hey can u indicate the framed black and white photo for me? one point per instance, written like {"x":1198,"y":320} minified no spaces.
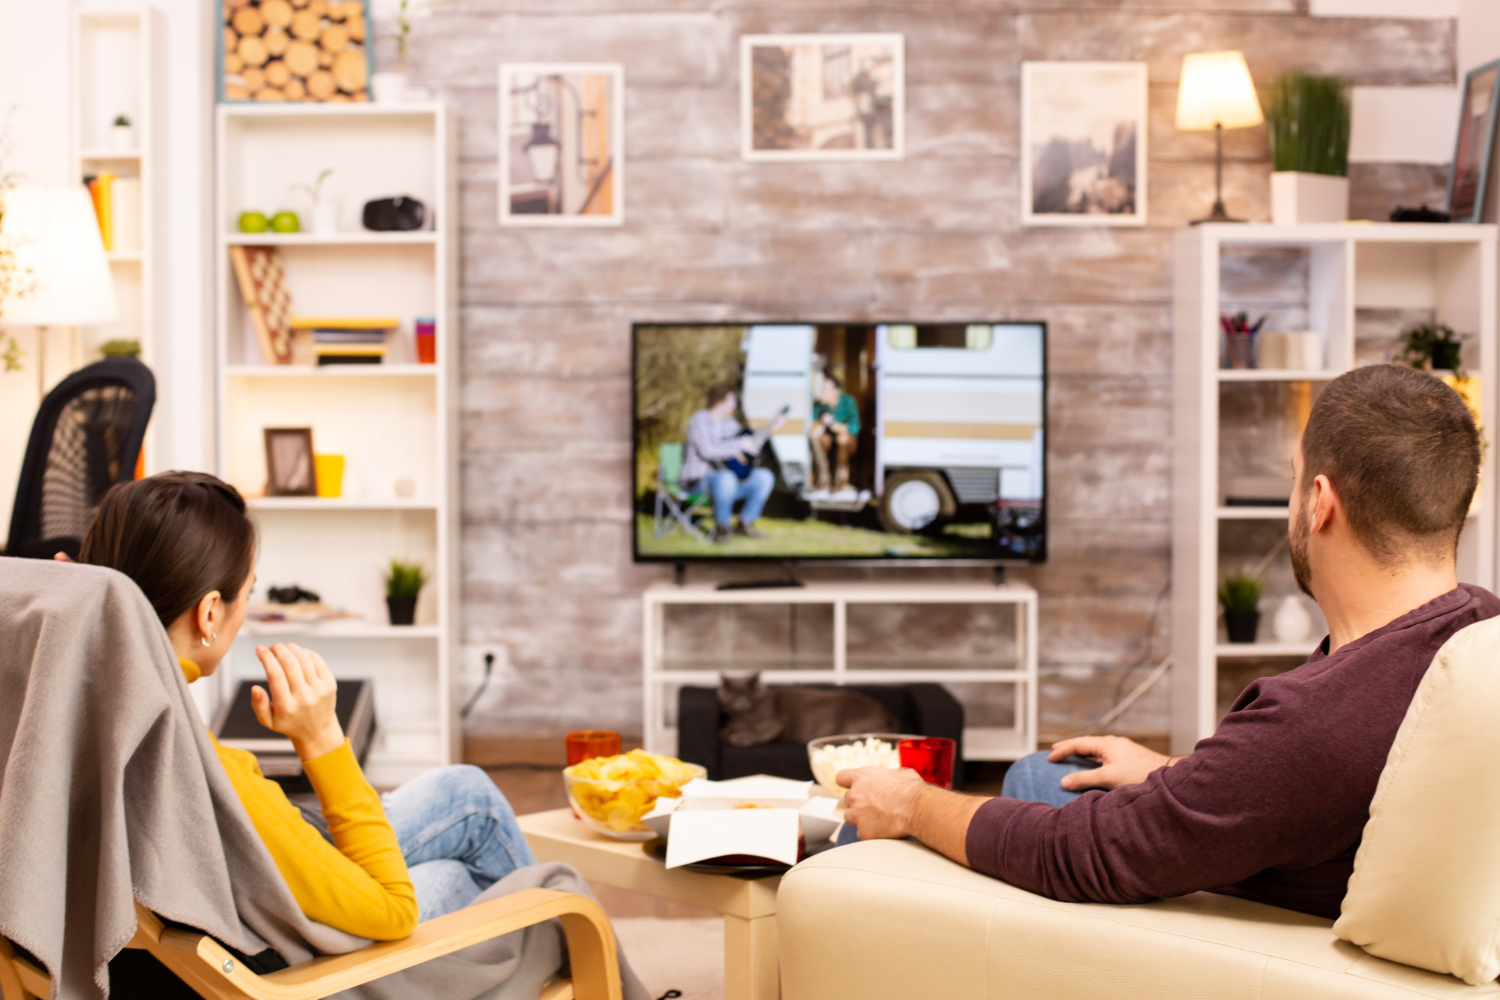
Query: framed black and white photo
{"x":1476,"y":139}
{"x":289,"y":462}
{"x":561,"y":144}
{"x":1083,"y":144}
{"x":822,"y":97}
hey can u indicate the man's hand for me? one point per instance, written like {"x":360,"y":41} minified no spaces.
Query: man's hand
{"x":301,"y":702}
{"x":1122,"y":761}
{"x":880,"y":800}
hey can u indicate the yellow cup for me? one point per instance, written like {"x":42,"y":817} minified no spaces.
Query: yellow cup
{"x":330,"y":474}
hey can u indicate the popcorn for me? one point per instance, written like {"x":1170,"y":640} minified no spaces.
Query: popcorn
{"x":827,"y":761}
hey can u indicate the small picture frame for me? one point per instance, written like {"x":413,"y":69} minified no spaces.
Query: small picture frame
{"x":1083,"y":143}
{"x":290,"y":471}
{"x":1476,"y":139}
{"x":562,"y":129}
{"x":823,"y":97}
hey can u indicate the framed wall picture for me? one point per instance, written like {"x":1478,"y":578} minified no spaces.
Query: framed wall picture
{"x":823,"y":97}
{"x":289,"y":462}
{"x":1476,"y":139}
{"x":282,"y":50}
{"x":562,"y":144}
{"x":1083,"y":144}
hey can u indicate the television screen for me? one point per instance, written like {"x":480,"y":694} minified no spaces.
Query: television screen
{"x":840,"y":441}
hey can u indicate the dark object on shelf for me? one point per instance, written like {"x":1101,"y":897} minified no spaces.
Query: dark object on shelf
{"x":291,"y":595}
{"x":1433,"y":347}
{"x":238,"y":728}
{"x":925,"y":709}
{"x":1257,"y":491}
{"x":86,"y":438}
{"x":1421,"y":214}
{"x":400,"y":214}
{"x":403,"y":610}
{"x":1242,"y":625}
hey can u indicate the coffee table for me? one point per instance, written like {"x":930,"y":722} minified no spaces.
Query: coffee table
{"x":748,"y":905}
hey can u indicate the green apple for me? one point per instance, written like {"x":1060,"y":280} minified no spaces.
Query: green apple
{"x":253,"y":222}
{"x":286,"y":222}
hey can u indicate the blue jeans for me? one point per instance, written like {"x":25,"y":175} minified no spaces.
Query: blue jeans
{"x":458,"y":834}
{"x":727,"y":489}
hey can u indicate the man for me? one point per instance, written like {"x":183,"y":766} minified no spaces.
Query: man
{"x":1272,"y":806}
{"x":834,"y":427}
{"x":716,"y":443}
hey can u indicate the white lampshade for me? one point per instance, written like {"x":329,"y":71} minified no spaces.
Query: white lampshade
{"x":1216,"y":90}
{"x":59,"y":257}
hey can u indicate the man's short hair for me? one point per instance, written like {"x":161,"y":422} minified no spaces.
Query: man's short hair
{"x":1401,"y":449}
{"x":718,"y":393}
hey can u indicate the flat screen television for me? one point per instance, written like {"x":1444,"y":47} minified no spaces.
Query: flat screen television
{"x":840,"y":441}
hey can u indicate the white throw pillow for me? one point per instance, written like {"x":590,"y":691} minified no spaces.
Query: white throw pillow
{"x":1426,"y":883}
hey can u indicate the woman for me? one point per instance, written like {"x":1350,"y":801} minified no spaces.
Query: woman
{"x":439,"y":841}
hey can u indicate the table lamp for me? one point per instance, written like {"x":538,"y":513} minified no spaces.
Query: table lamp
{"x":1216,"y":93}
{"x":63,"y":277}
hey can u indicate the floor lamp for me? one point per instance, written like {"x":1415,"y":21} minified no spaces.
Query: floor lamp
{"x":1216,"y":92}
{"x":62,"y":277}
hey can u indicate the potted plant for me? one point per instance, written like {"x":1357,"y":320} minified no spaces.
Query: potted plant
{"x":1307,"y":118}
{"x":1433,"y":347}
{"x":120,"y":348}
{"x":122,"y":133}
{"x":389,"y":86}
{"x":325,"y":215}
{"x":403,"y":582}
{"x":1239,"y":593}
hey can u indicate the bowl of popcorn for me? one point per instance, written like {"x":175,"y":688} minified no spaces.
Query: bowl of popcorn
{"x":611,"y":794}
{"x":832,"y":754}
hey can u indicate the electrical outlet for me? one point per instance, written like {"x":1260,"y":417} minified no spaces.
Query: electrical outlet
{"x":474,"y":663}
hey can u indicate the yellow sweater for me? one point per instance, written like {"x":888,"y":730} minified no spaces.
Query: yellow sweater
{"x":359,"y":883}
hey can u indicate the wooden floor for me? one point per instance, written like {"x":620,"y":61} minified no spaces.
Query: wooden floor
{"x":534,"y":789}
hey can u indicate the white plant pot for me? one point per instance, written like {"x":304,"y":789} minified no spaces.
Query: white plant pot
{"x":388,"y":87}
{"x":121,"y":137}
{"x":325,"y":217}
{"x":1298,"y":198}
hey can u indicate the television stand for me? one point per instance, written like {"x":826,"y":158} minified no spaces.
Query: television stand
{"x":790,"y":581}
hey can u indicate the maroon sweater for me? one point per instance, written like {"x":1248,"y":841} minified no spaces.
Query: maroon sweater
{"x":1270,"y":807}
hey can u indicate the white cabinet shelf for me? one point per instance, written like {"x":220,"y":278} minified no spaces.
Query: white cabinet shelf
{"x":1359,"y":285}
{"x":663,"y":673}
{"x":395,"y":423}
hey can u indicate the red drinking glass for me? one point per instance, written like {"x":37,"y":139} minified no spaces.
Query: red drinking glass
{"x":931,"y":757}
{"x":588,"y":743}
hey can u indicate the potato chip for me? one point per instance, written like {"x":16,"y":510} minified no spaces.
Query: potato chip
{"x":617,"y":791}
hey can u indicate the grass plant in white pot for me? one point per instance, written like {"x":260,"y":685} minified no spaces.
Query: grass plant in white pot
{"x":1307,"y":118}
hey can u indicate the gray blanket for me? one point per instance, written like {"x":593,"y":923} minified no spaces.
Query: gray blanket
{"x":110,"y":791}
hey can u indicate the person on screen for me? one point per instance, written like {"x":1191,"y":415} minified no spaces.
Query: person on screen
{"x":835,"y":428}
{"x":718,"y":462}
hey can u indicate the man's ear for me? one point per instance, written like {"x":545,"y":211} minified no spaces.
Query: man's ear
{"x":1325,"y":505}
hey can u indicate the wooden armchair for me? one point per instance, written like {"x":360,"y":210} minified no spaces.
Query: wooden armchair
{"x":205,"y":966}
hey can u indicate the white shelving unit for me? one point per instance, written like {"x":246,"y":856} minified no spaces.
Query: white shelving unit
{"x":395,"y":423}
{"x":115,"y":69}
{"x":1356,"y":276}
{"x":663,"y":673}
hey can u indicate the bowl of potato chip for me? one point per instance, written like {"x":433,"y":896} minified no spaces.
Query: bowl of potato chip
{"x":611,"y":794}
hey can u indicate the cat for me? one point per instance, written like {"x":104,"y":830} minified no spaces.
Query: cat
{"x":758,"y":714}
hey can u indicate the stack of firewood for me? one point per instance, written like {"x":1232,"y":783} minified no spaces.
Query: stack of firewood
{"x":295,"y":50}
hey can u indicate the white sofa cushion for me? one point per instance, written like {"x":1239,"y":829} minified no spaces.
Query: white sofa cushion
{"x":1426,"y":883}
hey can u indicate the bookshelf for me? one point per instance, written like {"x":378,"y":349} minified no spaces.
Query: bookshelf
{"x":395,"y":422}
{"x":1357,"y":285}
{"x":115,"y":69}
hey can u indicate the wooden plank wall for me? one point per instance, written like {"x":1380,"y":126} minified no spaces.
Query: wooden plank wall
{"x":546,"y":314}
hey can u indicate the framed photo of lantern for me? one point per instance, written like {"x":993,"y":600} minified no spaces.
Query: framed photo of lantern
{"x":562,"y":144}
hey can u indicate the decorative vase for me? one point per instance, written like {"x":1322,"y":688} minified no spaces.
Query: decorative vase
{"x":325,"y":217}
{"x":122,"y":137}
{"x":1242,"y":625}
{"x":403,"y":610}
{"x":1291,"y":623}
{"x":388,"y":87}
{"x":1298,"y":198}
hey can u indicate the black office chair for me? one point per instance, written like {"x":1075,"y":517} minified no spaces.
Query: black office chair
{"x":86,"y":438}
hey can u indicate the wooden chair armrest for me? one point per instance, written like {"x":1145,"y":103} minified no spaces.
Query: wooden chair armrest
{"x":591,"y":949}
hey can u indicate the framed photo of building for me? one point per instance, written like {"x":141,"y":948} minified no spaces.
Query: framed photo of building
{"x":561,"y":144}
{"x":1476,"y":139}
{"x":1083,"y":144}
{"x":823,"y":97}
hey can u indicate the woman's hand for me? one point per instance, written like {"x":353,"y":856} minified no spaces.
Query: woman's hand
{"x":300,"y":705}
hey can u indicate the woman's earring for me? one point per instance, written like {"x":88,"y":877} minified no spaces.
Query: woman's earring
{"x":209,"y":640}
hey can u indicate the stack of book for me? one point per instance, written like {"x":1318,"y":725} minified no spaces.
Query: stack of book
{"x":117,"y":203}
{"x":347,"y":340}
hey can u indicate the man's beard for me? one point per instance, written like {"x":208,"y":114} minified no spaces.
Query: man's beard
{"x":1297,"y":543}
